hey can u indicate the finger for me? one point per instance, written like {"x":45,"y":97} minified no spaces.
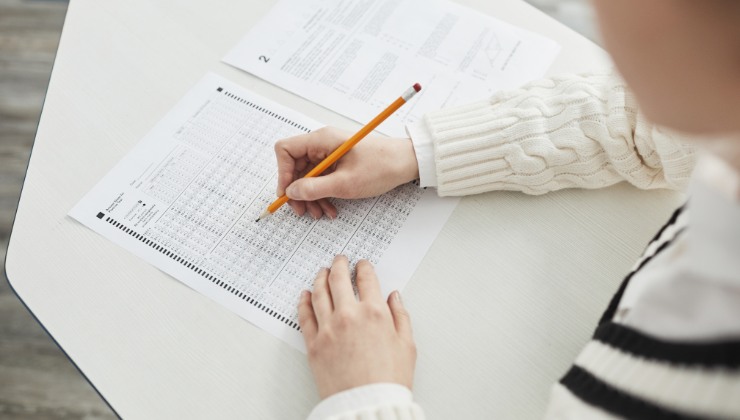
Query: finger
{"x":306,"y":317}
{"x":287,"y":152}
{"x":299,"y":207}
{"x":401,"y":317}
{"x":320,"y":143}
{"x":315,"y":188}
{"x":368,"y":285}
{"x":313,"y":146}
{"x":340,"y":282}
{"x":321,"y":297}
{"x":301,"y":168}
{"x":328,"y":208}
{"x":314,"y":209}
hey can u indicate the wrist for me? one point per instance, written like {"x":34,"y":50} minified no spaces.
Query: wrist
{"x":407,"y":168}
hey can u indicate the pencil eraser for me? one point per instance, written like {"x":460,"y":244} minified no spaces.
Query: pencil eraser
{"x":417,"y":87}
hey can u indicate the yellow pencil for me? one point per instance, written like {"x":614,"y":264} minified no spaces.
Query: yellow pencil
{"x":347,"y":145}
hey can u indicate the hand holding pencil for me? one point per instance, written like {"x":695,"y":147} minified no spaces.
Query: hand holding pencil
{"x":372,"y":167}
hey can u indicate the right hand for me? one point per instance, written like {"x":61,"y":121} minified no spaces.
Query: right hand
{"x":374,"y":166}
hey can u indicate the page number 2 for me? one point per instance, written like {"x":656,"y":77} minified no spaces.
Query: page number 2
{"x":264,"y":58}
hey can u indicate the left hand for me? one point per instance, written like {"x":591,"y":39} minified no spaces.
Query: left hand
{"x":355,"y":342}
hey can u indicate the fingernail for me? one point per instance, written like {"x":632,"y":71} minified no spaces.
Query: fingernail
{"x":291,"y":192}
{"x":398,"y":297}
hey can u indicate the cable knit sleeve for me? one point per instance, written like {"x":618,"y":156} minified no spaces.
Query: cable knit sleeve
{"x":571,"y":131}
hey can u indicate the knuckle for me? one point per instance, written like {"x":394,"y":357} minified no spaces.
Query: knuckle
{"x":344,"y":319}
{"x":375,"y":312}
{"x":337,"y":278}
{"x":279,"y":145}
{"x":318,"y":293}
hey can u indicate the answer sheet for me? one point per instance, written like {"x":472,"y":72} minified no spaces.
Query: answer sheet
{"x":356,"y":56}
{"x":185,"y":199}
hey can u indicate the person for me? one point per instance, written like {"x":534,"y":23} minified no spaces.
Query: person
{"x":668,"y":344}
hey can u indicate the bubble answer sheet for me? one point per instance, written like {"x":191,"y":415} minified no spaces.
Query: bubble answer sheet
{"x":185,"y":199}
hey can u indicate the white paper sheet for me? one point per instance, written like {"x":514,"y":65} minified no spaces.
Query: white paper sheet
{"x":186,"y":198}
{"x":355,"y":56}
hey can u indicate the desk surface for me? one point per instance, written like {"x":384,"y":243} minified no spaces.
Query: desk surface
{"x":494,"y":327}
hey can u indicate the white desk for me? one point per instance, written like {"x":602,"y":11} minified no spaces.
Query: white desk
{"x":494,"y":329}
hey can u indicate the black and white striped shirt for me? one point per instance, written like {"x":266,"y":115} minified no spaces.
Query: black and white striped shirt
{"x":668,"y":345}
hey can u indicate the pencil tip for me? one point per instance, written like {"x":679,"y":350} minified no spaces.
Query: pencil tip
{"x":262,"y":216}
{"x":256,"y":220}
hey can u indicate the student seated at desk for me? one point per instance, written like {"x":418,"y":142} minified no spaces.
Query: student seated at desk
{"x":673,"y":327}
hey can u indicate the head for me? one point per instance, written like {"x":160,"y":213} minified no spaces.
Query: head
{"x":680,"y":57}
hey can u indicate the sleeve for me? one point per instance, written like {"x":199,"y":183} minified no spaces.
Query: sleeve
{"x":424,"y":151}
{"x":381,"y":401}
{"x":570,"y":131}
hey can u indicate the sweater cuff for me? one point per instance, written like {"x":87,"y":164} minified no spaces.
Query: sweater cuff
{"x":365,"y":400}
{"x":423,"y":143}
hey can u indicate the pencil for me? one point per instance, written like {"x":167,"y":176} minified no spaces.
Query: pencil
{"x":347,"y":145}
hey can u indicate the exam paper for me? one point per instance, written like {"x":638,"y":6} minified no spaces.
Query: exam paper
{"x":356,"y":56}
{"x":185,"y":199}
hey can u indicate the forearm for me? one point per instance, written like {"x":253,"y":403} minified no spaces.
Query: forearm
{"x":573,"y":131}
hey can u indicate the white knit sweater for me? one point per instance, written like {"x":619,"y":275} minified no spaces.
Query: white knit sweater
{"x":572,"y":131}
{"x":673,"y":321}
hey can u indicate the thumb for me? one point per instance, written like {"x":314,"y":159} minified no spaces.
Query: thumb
{"x":400,"y":316}
{"x":312,"y":189}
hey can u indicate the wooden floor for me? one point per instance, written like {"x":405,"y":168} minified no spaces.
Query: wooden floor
{"x":37,"y":381}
